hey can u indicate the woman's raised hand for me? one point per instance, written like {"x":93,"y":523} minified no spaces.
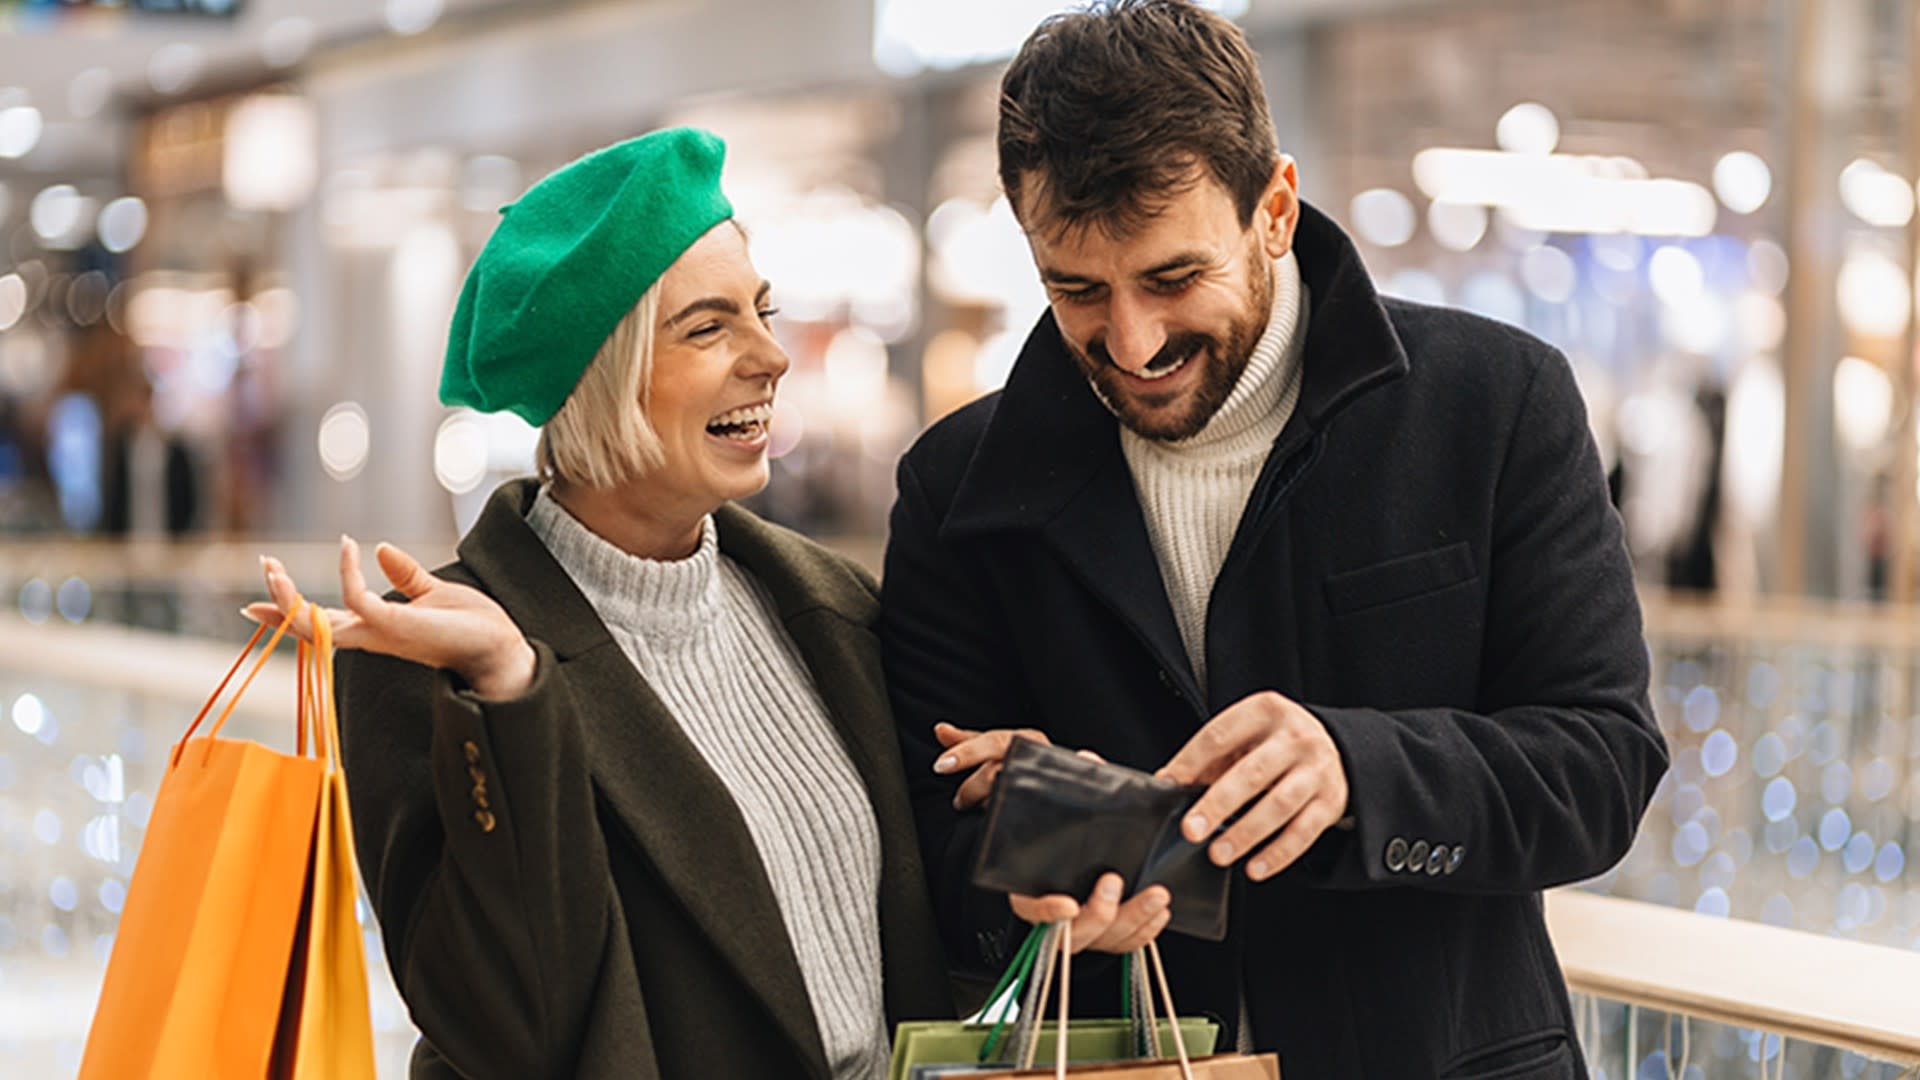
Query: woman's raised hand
{"x":440,"y":624}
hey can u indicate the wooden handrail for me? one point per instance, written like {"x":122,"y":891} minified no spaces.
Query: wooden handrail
{"x":1705,"y":618}
{"x":146,"y":663}
{"x":1803,"y":986}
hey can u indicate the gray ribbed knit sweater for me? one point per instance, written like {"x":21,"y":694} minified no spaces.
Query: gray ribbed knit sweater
{"x":701,"y":630}
{"x":1193,"y":491}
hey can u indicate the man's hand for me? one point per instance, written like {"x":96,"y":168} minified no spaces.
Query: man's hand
{"x":1271,"y":757}
{"x":1103,"y":923}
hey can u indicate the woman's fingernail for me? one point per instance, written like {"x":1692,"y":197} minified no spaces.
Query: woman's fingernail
{"x":1258,"y":868}
{"x":945,"y":764}
{"x":248,"y":615}
{"x":1223,"y":852}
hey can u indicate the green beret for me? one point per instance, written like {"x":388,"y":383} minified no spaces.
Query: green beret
{"x":569,"y":260}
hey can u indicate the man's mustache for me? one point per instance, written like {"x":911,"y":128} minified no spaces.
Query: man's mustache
{"x":1177,"y":348}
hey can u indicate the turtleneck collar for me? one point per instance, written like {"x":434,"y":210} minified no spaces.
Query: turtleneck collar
{"x":656,"y":598}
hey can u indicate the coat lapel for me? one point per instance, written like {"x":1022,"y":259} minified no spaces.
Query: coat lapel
{"x":646,"y":769}
{"x":1051,"y":461}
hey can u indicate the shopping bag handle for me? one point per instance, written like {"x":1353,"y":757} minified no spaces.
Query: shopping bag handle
{"x":318,"y":711}
{"x":315,"y":690}
{"x":1065,"y":951}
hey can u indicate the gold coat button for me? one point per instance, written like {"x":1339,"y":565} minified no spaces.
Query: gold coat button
{"x":485,"y":819}
{"x":473,"y":752}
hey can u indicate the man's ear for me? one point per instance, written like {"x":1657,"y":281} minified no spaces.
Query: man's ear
{"x":1279,"y":210}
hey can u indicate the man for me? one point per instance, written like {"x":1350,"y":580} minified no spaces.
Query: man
{"x":1348,"y":561}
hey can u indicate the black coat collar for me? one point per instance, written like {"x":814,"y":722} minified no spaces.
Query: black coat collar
{"x":1050,"y":437}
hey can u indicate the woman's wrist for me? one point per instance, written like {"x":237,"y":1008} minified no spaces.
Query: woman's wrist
{"x":505,"y":675}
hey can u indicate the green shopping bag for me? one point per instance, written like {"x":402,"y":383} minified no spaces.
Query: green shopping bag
{"x":936,"y":1049}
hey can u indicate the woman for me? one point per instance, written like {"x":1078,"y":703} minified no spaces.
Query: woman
{"x":626,"y":788}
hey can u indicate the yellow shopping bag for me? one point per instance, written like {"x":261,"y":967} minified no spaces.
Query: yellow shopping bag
{"x":238,"y":953}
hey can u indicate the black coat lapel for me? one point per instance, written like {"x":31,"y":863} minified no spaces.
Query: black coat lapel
{"x":1051,"y":461}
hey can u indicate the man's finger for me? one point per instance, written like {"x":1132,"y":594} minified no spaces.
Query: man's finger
{"x":1132,"y":918}
{"x":1241,"y":784}
{"x":1217,"y":745}
{"x":1144,"y":934}
{"x":1294,"y":840}
{"x":1098,"y":913}
{"x":1270,"y":812}
{"x":1044,"y":909}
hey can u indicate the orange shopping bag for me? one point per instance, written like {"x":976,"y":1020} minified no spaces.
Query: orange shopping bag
{"x":238,"y":954}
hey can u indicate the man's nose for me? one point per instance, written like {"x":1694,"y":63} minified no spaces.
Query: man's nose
{"x":1134,"y":335}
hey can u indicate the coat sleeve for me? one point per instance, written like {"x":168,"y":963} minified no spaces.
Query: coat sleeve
{"x":1545,"y":784}
{"x":476,"y":829}
{"x":946,"y":658}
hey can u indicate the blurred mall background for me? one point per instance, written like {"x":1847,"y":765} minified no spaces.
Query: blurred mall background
{"x":231,"y":233}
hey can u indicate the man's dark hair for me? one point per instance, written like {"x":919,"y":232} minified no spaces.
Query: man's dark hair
{"x":1109,"y":111}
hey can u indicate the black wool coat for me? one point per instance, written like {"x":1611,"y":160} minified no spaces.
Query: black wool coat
{"x":565,"y":887}
{"x":1428,"y":562}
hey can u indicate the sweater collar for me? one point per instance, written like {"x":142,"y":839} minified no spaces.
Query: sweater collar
{"x":1250,"y":418}
{"x":652,"y":597}
{"x":512,"y":563}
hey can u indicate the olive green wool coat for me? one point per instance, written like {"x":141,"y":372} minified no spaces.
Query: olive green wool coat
{"x":565,"y":888}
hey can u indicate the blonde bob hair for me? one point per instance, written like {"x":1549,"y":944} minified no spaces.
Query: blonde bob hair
{"x":601,"y":438}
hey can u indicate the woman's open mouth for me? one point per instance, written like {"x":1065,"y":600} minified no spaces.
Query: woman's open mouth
{"x":743,"y":425}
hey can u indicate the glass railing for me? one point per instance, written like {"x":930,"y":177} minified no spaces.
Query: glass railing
{"x":1794,"y":796}
{"x":1661,"y":992}
{"x":87,"y":715}
{"x":1794,"y":799}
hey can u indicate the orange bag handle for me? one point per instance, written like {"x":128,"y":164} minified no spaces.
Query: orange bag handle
{"x":319,"y":713}
{"x":234,"y":702}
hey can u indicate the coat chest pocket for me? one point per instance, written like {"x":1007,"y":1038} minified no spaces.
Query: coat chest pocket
{"x":1408,"y":577}
{"x":1543,"y":1056}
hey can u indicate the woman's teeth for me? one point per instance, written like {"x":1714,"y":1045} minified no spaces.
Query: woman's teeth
{"x":742,"y":425}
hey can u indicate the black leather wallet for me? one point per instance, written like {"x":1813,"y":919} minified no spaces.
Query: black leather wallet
{"x":1056,"y":821}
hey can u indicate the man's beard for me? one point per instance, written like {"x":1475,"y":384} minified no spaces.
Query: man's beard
{"x":1223,"y":361}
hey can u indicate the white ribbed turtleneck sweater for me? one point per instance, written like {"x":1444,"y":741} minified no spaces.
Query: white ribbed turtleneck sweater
{"x":1193,"y":491}
{"x":702,"y":631}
